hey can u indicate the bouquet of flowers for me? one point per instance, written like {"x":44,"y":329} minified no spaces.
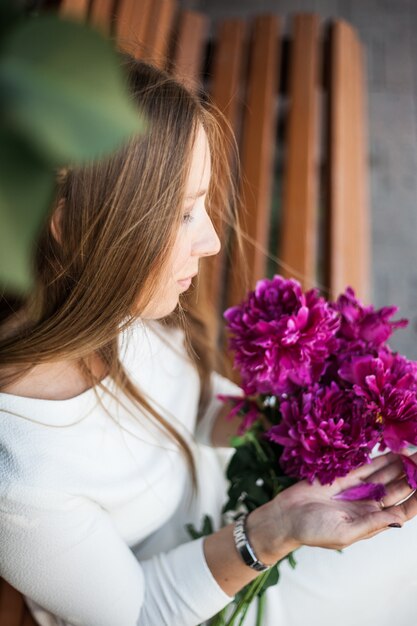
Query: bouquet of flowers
{"x":321,"y":388}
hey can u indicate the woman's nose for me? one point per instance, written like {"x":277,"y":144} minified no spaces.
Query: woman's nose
{"x":207,"y":242}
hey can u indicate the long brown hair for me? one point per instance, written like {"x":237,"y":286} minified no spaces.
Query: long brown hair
{"x":118,"y":222}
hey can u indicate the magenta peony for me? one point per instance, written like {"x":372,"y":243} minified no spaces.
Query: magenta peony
{"x":337,"y":387}
{"x":281,"y":337}
{"x":325,"y":433}
{"x":248,"y":409}
{"x":389,"y":386}
{"x":363,"y":324}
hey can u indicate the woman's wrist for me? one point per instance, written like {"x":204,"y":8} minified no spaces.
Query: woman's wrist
{"x":268,"y":531}
{"x":268,"y":537}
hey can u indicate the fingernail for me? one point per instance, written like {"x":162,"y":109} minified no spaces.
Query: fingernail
{"x":395,"y":525}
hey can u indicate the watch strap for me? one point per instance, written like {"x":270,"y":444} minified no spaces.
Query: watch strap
{"x":244,"y":547}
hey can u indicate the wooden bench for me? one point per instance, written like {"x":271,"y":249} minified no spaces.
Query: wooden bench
{"x":296,"y":104}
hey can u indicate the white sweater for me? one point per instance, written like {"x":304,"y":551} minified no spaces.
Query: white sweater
{"x":93,"y":505}
{"x":92,"y":517}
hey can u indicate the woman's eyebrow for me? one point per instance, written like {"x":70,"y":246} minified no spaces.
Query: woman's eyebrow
{"x":194,"y":196}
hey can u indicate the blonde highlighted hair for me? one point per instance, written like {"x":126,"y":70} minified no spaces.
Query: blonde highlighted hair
{"x":118,"y":219}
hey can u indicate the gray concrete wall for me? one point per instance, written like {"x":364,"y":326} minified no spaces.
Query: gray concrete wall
{"x":388,"y":30}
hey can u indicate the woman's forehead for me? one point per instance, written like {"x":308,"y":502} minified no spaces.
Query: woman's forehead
{"x":200,"y":168}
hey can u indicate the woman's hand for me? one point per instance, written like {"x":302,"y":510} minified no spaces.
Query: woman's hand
{"x":309,"y":515}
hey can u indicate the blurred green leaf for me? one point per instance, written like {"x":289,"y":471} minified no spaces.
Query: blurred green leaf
{"x":206,"y":529}
{"x":61,"y":88}
{"x":63,"y":101}
{"x":26,"y":189}
{"x":291,"y":560}
{"x":10,"y":14}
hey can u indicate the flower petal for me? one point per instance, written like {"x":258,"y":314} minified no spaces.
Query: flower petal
{"x":366,"y":491}
{"x":410,"y":469}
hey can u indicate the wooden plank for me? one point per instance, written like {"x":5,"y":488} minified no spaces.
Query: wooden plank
{"x":363,"y":277}
{"x":74,"y":9}
{"x":226,"y":87}
{"x":188,"y":54}
{"x":28,"y":619}
{"x":226,"y":91}
{"x":299,"y":229}
{"x":159,"y":32}
{"x":349,"y":211}
{"x":131,"y":24}
{"x":257,"y":152}
{"x":102,"y":15}
{"x":11,"y":605}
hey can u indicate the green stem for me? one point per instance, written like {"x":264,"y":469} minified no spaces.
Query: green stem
{"x":261,"y":610}
{"x":219,"y":619}
{"x":243,"y":614}
{"x":253,"y":589}
{"x":260,"y":451}
{"x":247,"y":597}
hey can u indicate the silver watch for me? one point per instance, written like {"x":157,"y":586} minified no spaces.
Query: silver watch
{"x":243,"y":546}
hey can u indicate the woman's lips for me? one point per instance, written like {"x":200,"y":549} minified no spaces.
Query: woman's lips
{"x":186,"y":282}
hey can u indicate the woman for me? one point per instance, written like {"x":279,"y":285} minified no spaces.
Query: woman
{"x":100,"y":469}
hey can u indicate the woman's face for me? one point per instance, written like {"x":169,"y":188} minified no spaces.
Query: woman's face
{"x":196,"y":236}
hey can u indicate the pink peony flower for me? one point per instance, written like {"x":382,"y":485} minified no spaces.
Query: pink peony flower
{"x":325,"y":433}
{"x":337,"y":386}
{"x":364,"y":324}
{"x":410,"y":469}
{"x":365,"y":491}
{"x":248,"y":408}
{"x":389,"y":386}
{"x":281,"y":337}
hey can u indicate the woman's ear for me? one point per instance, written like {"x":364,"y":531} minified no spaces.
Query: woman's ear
{"x":56,"y":220}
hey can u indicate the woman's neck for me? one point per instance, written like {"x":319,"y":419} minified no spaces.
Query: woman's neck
{"x":58,"y":380}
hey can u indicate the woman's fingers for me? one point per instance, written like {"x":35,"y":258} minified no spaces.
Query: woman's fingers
{"x":397,"y":491}
{"x":406,"y":510}
{"x":412,"y":456}
{"x":366,"y":472}
{"x":385,"y":469}
{"x":376,"y":521}
{"x":392,"y":471}
{"x":370,"y":524}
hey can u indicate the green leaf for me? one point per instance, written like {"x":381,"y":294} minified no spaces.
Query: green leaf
{"x":244,"y":459}
{"x":61,"y":88}
{"x":270,"y":581}
{"x":192,"y":531}
{"x":10,"y":15}
{"x":237,"y":441}
{"x":206,"y":529}
{"x":26,"y":189}
{"x":291,"y":560}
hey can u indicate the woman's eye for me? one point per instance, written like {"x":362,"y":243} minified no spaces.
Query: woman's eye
{"x":187,"y":218}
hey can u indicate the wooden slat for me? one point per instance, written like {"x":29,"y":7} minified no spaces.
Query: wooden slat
{"x":226,"y":90}
{"x":349,"y":212}
{"x":27,"y":619}
{"x":226,"y":82}
{"x":74,"y":9}
{"x":187,"y":60}
{"x":159,"y":31}
{"x":102,"y":15}
{"x":12,"y":606}
{"x":298,"y":244}
{"x":363,"y":278}
{"x":257,"y":151}
{"x":131,"y":25}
